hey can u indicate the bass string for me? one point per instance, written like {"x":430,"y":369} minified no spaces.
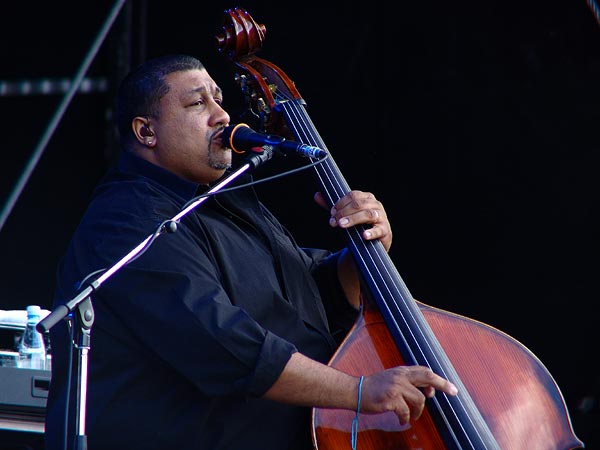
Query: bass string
{"x":378,"y":269}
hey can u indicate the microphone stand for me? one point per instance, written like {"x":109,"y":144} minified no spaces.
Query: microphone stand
{"x":84,"y":318}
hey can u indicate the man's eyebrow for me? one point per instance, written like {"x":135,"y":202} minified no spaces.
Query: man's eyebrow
{"x":202,"y":89}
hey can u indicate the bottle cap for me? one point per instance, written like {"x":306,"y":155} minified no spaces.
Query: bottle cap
{"x":34,"y":310}
{"x":33,"y":313}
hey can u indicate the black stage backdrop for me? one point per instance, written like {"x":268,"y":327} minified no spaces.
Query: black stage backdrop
{"x":476,"y":123}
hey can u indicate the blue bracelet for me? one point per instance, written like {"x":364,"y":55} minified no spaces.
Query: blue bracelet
{"x":354,"y":435}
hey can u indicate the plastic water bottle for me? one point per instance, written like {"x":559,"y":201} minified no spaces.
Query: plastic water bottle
{"x":32,"y":349}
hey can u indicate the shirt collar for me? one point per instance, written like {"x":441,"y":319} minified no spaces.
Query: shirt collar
{"x":130,"y":162}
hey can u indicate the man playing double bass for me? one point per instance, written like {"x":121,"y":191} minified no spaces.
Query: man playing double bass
{"x":218,"y":336}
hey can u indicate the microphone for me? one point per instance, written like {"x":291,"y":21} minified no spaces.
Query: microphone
{"x":241,"y":138}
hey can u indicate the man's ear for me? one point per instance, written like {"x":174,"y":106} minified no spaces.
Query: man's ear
{"x":143,"y":130}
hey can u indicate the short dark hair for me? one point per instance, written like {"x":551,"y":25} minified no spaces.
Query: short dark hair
{"x":140,"y":91}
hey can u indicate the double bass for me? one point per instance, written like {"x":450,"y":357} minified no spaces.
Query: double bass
{"x":507,"y":399}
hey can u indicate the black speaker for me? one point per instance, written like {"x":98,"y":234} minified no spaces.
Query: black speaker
{"x":23,"y":395}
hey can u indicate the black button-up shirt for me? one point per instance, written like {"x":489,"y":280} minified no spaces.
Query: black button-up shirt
{"x":188,"y":336}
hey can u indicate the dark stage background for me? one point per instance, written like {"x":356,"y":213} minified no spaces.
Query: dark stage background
{"x":476,"y":123}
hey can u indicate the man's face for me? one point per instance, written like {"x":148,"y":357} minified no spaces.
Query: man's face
{"x":191,"y":115}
